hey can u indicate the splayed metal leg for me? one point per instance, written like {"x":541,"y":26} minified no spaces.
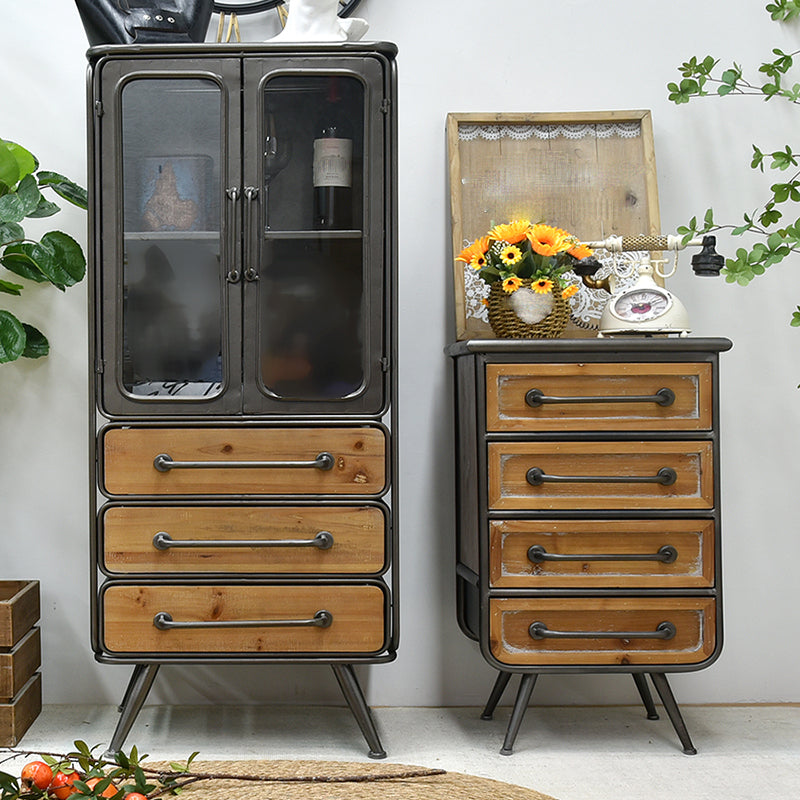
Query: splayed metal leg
{"x":351,"y":689}
{"x":644,"y":692}
{"x":497,"y":692}
{"x":670,"y":705}
{"x":132,"y":702}
{"x":524,"y":693}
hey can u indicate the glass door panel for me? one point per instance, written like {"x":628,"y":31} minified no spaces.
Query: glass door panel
{"x":172,"y":289}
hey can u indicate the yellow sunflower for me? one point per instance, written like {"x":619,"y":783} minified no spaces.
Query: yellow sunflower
{"x":548,"y":241}
{"x":477,"y":248}
{"x":580,"y":251}
{"x":511,"y":232}
{"x":542,"y":286}
{"x":510,"y":255}
{"x":512,"y":284}
{"x":570,"y":291}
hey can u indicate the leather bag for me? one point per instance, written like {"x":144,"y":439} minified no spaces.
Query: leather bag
{"x":142,"y":22}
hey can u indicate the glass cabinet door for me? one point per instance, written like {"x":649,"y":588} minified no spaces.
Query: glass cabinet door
{"x":169,"y":343}
{"x":314,"y":262}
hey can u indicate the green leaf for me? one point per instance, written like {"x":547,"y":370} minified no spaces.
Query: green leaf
{"x":15,"y":163}
{"x":12,"y":337}
{"x":17,"y":259}
{"x":795,"y":323}
{"x":10,"y":288}
{"x":59,"y":257}
{"x":10,"y":232}
{"x":65,"y":188}
{"x":46,"y":208}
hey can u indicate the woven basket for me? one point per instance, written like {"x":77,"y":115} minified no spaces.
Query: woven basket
{"x":507,"y":325}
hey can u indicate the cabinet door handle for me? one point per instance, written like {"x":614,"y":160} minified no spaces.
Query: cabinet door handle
{"x":666,"y":555}
{"x":163,"y":541}
{"x":164,"y":462}
{"x":322,"y":619}
{"x":233,"y":275}
{"x":536,"y":476}
{"x":251,"y":248}
{"x":664,"y":630}
{"x":663,"y":397}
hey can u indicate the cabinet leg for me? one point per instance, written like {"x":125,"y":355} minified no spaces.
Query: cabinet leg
{"x":497,"y":692}
{"x":132,"y":702}
{"x":668,"y":699}
{"x":351,"y":689}
{"x":524,"y":693}
{"x":644,"y":693}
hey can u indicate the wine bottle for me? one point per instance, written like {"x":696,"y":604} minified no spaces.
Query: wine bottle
{"x":333,"y":168}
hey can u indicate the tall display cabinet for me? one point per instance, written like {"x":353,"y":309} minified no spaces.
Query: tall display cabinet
{"x":243,"y":353}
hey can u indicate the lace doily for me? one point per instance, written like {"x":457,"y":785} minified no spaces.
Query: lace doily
{"x":598,"y":130}
{"x":585,"y":307}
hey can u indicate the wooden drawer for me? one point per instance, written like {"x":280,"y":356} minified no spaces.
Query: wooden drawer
{"x":18,"y":663}
{"x":19,"y":610}
{"x":685,"y":402}
{"x":227,"y":618}
{"x":614,"y":469}
{"x":134,"y":463}
{"x":20,"y":712}
{"x":283,"y":539}
{"x":642,"y":553}
{"x":593,"y":623}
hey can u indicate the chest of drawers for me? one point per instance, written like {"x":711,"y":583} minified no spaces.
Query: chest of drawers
{"x":588,"y":509}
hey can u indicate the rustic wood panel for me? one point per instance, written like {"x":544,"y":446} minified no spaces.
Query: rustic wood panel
{"x":18,"y":715}
{"x":358,"y":618}
{"x":18,"y":663}
{"x":593,"y":187}
{"x":19,"y":610}
{"x":359,"y":453}
{"x":507,"y":385}
{"x":358,"y":538}
{"x":510,"y":566}
{"x":693,"y":643}
{"x":510,"y":461}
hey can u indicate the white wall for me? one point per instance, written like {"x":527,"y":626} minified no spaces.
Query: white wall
{"x":509,"y":55}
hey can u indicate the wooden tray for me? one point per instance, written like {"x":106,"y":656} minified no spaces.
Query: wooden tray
{"x":17,"y":664}
{"x":19,"y":610}
{"x":18,"y":715}
{"x":590,"y":173}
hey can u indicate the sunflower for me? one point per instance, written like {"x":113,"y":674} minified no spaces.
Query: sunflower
{"x":472,"y":251}
{"x":570,"y":291}
{"x":511,"y":284}
{"x":580,"y":251}
{"x":548,"y":241}
{"x":511,"y":232}
{"x":511,"y":254}
{"x":541,"y":286}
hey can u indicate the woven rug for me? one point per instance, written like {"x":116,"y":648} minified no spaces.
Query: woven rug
{"x":329,"y":780}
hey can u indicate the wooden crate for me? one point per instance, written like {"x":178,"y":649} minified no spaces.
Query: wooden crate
{"x":19,"y":610}
{"x":18,"y":715}
{"x":18,"y":663}
{"x":590,"y":173}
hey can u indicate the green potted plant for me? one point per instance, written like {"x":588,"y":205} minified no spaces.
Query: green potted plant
{"x":54,"y":258}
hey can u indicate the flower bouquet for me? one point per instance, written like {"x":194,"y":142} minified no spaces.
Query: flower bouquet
{"x":524,"y":264}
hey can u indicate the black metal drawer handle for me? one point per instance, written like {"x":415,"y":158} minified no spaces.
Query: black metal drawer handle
{"x":536,"y":476}
{"x":666,"y":555}
{"x":322,"y":619}
{"x":663,"y":397}
{"x":163,"y":541}
{"x":164,"y":462}
{"x":664,"y":630}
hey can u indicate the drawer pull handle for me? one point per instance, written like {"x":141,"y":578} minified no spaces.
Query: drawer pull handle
{"x":536,"y":476}
{"x":663,"y":397}
{"x":163,"y":541}
{"x":664,"y":630}
{"x":666,"y":555}
{"x":322,"y":619}
{"x":164,"y":462}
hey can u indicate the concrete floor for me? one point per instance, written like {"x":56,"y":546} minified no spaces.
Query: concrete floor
{"x":571,"y":753}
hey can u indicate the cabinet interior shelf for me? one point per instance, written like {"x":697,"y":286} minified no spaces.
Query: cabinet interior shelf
{"x":313,"y":234}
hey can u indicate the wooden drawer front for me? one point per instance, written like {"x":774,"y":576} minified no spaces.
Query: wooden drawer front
{"x":301,"y":539}
{"x":689,"y":407}
{"x":604,"y":463}
{"x":358,"y":465}
{"x":228,"y":618}
{"x":18,"y":663}
{"x":589,"y":619}
{"x":602,"y":553}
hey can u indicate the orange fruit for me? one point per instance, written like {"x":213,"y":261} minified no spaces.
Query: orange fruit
{"x":109,"y":791}
{"x":36,"y":773}
{"x":61,"y":786}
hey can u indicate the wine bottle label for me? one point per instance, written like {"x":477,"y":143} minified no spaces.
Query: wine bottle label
{"x":333,"y":159}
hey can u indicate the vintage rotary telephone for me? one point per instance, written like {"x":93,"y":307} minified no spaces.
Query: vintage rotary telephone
{"x":645,"y":308}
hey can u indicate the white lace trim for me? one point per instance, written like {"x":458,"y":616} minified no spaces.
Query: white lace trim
{"x":599,"y":130}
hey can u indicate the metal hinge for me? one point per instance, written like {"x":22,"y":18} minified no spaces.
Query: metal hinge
{"x":385,"y":105}
{"x":98,"y":108}
{"x":100,"y":366}
{"x":385,"y":364}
